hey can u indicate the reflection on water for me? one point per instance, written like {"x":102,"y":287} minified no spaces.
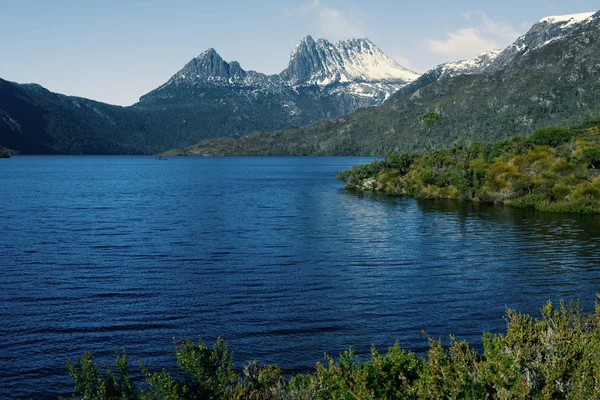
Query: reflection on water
{"x":271,"y":253}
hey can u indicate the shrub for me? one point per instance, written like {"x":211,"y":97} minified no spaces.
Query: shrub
{"x":531,"y":201}
{"x":547,"y":171}
{"x":427,"y":176}
{"x":517,"y":145}
{"x":551,"y":136}
{"x":591,"y":156}
{"x":556,"y":356}
{"x":355,"y":175}
{"x":399,"y":162}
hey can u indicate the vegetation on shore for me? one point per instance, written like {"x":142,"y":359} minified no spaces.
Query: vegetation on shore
{"x":555,"y":169}
{"x":554,"y":357}
{"x":6,"y":153}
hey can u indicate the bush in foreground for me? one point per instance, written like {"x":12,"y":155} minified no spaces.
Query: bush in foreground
{"x":554,"y":357}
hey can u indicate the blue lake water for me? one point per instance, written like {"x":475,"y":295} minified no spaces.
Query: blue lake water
{"x":99,"y":253}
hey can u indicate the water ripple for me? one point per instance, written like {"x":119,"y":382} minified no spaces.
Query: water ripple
{"x":101,"y":253}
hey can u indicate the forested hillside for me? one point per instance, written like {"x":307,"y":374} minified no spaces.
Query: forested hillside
{"x":555,"y":169}
{"x":552,"y":82}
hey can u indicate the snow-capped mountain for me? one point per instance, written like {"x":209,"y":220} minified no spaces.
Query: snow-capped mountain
{"x":209,"y":69}
{"x":542,"y":33}
{"x":358,"y":60}
{"x":215,"y":98}
{"x":545,"y":31}
{"x":355,"y":69}
{"x":549,"y":76}
{"x":476,"y":65}
{"x":219,"y":98}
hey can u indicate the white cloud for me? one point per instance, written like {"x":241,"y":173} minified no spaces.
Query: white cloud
{"x":336,"y":24}
{"x":483,"y":34}
{"x":400,"y":59}
{"x":502,"y":30}
{"x":303,"y":9}
{"x":464,"y":43}
{"x":332,"y":23}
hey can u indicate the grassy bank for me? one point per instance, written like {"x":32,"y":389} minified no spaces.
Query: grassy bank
{"x":555,"y":169}
{"x":556,"y":356}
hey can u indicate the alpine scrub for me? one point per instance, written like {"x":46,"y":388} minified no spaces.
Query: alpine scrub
{"x":555,"y":169}
{"x":556,"y":356}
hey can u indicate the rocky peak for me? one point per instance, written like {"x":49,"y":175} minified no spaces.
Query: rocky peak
{"x":476,"y":65}
{"x":543,"y":32}
{"x":322,"y":63}
{"x":305,"y":60}
{"x":355,"y":69}
{"x":210,"y":66}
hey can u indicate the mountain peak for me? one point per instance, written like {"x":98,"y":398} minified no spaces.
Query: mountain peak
{"x":546,"y":31}
{"x":322,"y":63}
{"x":472,"y":66}
{"x":567,"y":20}
{"x":209,"y":52}
{"x":209,"y":65}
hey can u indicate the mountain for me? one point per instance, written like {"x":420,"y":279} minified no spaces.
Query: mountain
{"x":546,"y":31}
{"x":209,"y":97}
{"x":550,"y":75}
{"x":34,"y":120}
{"x":322,"y":80}
{"x":474,"y":66}
{"x":359,"y":60}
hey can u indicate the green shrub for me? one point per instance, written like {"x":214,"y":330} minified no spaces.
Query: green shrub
{"x":209,"y":372}
{"x":591,"y":157}
{"x":523,"y":172}
{"x":517,"y":145}
{"x":590,"y":123}
{"x":399,"y":162}
{"x":531,"y":201}
{"x":357,"y":173}
{"x":427,"y":176}
{"x":551,"y":136}
{"x":556,"y":356}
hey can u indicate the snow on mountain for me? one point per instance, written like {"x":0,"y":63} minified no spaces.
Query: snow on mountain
{"x":355,"y":68}
{"x":323,"y":63}
{"x":476,"y":65}
{"x":568,"y":20}
{"x":542,"y":33}
{"x":469,"y":67}
{"x":311,"y":63}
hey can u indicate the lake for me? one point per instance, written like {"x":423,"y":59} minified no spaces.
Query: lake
{"x":100,"y":253}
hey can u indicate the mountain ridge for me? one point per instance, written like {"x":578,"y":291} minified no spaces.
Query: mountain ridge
{"x":312,"y":63}
{"x":550,"y":75}
{"x":208,"y":97}
{"x":545,"y":73}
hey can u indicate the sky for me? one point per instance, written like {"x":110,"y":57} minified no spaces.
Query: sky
{"x":117,"y":50}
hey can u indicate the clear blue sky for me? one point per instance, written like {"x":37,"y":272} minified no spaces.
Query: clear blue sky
{"x":117,"y":50}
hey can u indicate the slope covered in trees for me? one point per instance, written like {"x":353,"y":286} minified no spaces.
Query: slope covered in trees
{"x":553,"y":83}
{"x":208,"y":98}
{"x":555,"y":169}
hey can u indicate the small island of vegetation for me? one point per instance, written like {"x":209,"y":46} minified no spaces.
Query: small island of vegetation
{"x":555,"y":169}
{"x":5,"y":153}
{"x":555,"y":357}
